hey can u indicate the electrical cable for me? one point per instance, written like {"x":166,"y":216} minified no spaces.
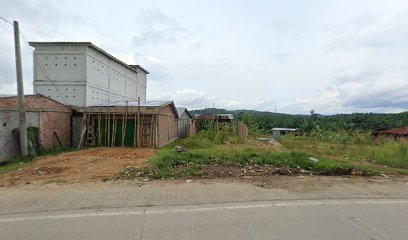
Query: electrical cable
{"x":29,"y":49}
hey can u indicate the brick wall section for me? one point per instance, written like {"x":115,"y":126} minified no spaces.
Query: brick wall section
{"x":53,"y":125}
{"x":35,"y":102}
{"x":167,"y":125}
{"x":54,"y":118}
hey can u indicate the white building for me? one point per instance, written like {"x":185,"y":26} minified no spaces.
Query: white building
{"x":81,"y":74}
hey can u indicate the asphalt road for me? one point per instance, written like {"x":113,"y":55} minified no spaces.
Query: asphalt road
{"x":294,"y":219}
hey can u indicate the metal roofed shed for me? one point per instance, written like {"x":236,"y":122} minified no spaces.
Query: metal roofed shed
{"x":126,"y":123}
{"x":396,"y":132}
{"x":278,"y":132}
{"x":215,"y":117}
{"x":186,"y":124}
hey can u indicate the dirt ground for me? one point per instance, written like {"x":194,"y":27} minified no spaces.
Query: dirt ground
{"x":98,"y":163}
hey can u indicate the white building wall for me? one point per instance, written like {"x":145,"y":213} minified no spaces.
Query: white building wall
{"x":82,"y":76}
{"x":142,"y":84}
{"x":109,"y":80}
{"x":60,"y":73}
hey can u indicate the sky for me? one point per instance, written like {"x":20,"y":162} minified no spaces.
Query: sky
{"x":288,"y":56}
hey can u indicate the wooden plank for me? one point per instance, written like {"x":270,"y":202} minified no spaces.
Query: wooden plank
{"x":151,"y":132}
{"x":114,"y":126}
{"x":124,"y":122}
{"x":138,"y":123}
{"x":135,"y":133}
{"x":109,"y":117}
{"x":99,"y":128}
{"x":83,"y":132}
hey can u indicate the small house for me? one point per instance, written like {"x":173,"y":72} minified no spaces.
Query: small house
{"x":278,"y":132}
{"x":52,"y":119}
{"x":186,"y":125}
{"x":396,"y":132}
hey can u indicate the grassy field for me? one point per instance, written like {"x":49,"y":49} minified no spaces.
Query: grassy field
{"x":336,"y":157}
{"x":380,"y":152}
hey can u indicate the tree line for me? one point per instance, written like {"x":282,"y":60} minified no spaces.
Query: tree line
{"x":265,"y":121}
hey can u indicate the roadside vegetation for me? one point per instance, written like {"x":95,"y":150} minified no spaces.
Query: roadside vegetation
{"x":264,"y":121}
{"x":212,"y":154}
{"x":360,"y":148}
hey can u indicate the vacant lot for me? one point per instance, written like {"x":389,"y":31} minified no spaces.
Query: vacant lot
{"x":214,"y":156}
{"x":98,"y":163}
{"x":206,"y":156}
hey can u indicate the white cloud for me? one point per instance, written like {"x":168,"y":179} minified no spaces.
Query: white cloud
{"x":155,"y":28}
{"x":371,"y":32}
{"x":261,"y":61}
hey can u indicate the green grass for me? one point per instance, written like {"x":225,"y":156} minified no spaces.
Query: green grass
{"x":335,"y":157}
{"x":166,"y":163}
{"x":393,"y":154}
{"x":387,"y":153}
{"x":338,"y":154}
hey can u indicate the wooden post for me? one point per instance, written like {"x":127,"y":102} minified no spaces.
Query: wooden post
{"x":151,"y":131}
{"x":135,"y":132}
{"x":141,"y":131}
{"x":114,"y":126}
{"x":124,"y":121}
{"x":105,"y":128}
{"x":138,"y":122}
{"x":108,"y":142}
{"x":99,"y":127}
{"x":83,"y":132}
{"x":158,"y":131}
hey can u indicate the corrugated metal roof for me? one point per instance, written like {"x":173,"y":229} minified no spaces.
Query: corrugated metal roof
{"x":123,"y":103}
{"x":229,"y":116}
{"x":397,"y":131}
{"x":139,"y":67}
{"x":284,"y":129}
{"x":180,"y":111}
{"x":91,"y":45}
{"x":215,"y":116}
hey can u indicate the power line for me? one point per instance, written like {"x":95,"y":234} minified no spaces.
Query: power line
{"x":29,"y":49}
{"x":6,"y":21}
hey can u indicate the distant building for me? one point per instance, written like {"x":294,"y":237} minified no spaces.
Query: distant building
{"x":186,"y":124}
{"x":81,"y":74}
{"x":396,"y":132}
{"x":215,"y":117}
{"x":278,"y":132}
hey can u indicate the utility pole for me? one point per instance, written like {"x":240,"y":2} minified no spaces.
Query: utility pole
{"x":20,"y":90}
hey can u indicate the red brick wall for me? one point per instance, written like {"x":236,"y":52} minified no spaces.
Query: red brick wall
{"x":35,"y":102}
{"x":167,"y":125}
{"x":55,"y":129}
{"x":54,"y":118}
